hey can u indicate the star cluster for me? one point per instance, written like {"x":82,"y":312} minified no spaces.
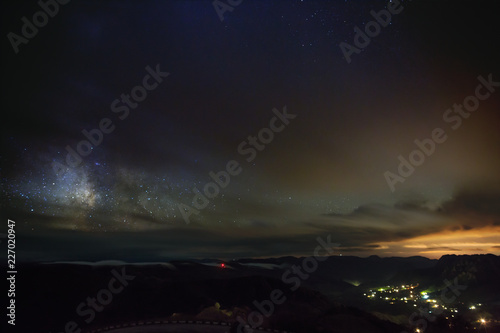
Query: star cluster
{"x":322,"y":174}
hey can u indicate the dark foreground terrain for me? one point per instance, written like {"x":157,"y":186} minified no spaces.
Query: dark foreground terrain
{"x":341,"y":294}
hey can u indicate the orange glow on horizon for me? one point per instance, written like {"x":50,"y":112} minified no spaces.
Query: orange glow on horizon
{"x":475,"y":241}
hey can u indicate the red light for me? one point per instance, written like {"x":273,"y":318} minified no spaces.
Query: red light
{"x":222,"y":265}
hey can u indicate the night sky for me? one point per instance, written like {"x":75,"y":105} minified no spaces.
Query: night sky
{"x":216,"y":86}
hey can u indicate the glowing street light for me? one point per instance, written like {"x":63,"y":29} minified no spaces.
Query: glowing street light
{"x":483,"y":322}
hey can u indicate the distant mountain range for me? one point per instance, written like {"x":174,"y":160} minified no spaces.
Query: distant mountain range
{"x":480,"y":274}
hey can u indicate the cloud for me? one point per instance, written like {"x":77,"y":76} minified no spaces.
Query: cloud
{"x":485,"y":202}
{"x":443,"y":248}
{"x":410,"y":227}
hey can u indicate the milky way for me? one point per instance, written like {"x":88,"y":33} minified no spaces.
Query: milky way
{"x":322,"y":174}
